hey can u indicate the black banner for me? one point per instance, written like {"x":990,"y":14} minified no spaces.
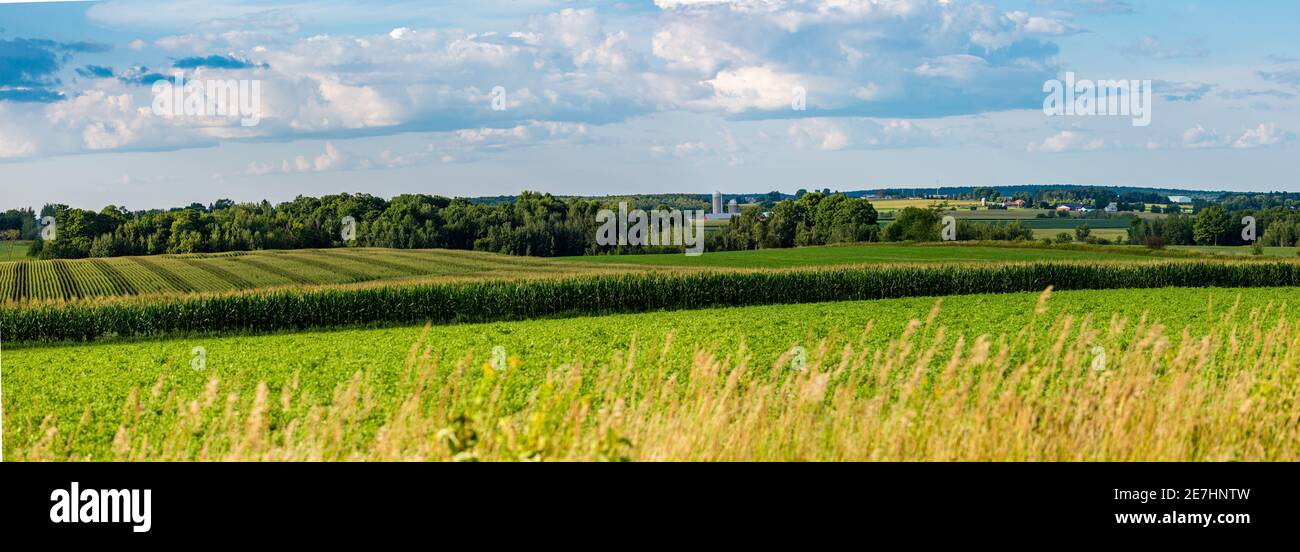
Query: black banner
{"x":940,"y":502}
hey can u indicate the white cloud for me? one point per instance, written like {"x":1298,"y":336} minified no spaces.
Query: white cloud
{"x":1067,"y":141}
{"x":1201,"y":137}
{"x":823,"y":134}
{"x":885,"y":59}
{"x":1266,"y":134}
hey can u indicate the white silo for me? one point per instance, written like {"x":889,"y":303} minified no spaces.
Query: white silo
{"x":717,"y":202}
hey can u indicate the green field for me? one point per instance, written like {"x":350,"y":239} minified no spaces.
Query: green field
{"x":13,"y":250}
{"x":360,"y":354}
{"x":83,"y":388}
{"x":1243,"y":250}
{"x":221,"y":272}
{"x":1112,"y":234}
{"x":890,"y":205}
{"x":861,"y":254}
{"x":262,"y":270}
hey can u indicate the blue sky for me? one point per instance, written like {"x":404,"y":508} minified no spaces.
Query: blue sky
{"x":637,"y":96}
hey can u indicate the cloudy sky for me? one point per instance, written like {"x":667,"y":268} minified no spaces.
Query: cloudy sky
{"x":636,"y":96}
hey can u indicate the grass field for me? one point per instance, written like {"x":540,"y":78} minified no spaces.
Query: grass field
{"x":13,"y":250}
{"x":1112,"y":234}
{"x":183,"y":274}
{"x":857,"y":254}
{"x":709,"y":384}
{"x":1244,"y":250}
{"x":890,"y":205}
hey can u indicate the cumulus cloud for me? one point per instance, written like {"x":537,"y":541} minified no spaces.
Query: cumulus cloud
{"x":1067,"y":141}
{"x":1201,"y":137}
{"x":744,"y":59}
{"x":1263,"y":135}
{"x":29,"y":67}
{"x":1266,"y":134}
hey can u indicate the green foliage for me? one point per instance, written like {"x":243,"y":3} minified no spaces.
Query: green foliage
{"x":1082,"y":233}
{"x":816,"y":218}
{"x":65,"y":382}
{"x":978,"y":231}
{"x":1172,"y":230}
{"x":914,"y":224}
{"x":1212,"y":225}
{"x":532,"y":224}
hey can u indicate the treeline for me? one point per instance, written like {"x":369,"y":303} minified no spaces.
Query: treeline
{"x":19,"y":224}
{"x":532,"y":224}
{"x":1216,"y":225}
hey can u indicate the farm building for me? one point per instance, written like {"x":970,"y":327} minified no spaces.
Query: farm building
{"x":1180,"y":199}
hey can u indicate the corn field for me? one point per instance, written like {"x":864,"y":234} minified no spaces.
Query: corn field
{"x":491,"y":300}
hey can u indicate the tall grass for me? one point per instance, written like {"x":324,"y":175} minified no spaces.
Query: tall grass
{"x":1040,"y":395}
{"x":603,"y":294}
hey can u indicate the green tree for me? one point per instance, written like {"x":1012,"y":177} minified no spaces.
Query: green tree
{"x":1081,"y":233}
{"x":1211,"y":225}
{"x":914,"y":224}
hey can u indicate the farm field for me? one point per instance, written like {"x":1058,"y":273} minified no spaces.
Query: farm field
{"x":861,"y":254}
{"x":1243,"y":250}
{"x":183,"y":274}
{"x":891,"y":205}
{"x":1112,"y":234}
{"x":606,"y":293}
{"x":867,"y":368}
{"x":13,"y":250}
{"x":186,"y":274}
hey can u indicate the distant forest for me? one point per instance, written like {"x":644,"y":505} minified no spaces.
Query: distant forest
{"x":532,"y":224}
{"x":545,"y":225}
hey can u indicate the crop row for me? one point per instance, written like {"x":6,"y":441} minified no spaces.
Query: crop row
{"x":586,"y":295}
{"x":57,"y":280}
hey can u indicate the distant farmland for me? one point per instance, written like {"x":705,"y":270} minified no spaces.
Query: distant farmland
{"x":884,"y":253}
{"x":61,"y":280}
{"x":184,"y":274}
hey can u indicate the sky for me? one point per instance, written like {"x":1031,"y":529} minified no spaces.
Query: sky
{"x":494,"y":97}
